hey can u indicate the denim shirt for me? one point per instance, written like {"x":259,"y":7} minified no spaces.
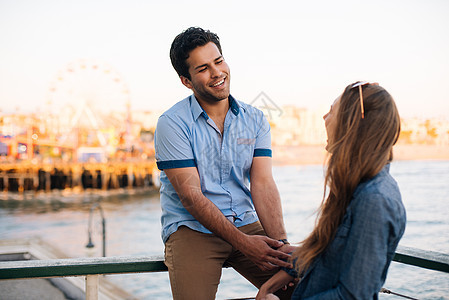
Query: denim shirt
{"x":186,"y":137}
{"x":355,"y":264}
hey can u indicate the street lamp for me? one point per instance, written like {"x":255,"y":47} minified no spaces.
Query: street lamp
{"x":90,"y":244}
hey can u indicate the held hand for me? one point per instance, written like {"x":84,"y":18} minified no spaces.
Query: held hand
{"x":263,"y":293}
{"x":266,"y":297}
{"x":290,"y":284}
{"x":262,"y":251}
{"x":287,"y":248}
{"x":278,"y":281}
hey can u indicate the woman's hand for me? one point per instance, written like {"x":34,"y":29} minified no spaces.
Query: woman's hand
{"x":267,"y":297}
{"x":278,"y":281}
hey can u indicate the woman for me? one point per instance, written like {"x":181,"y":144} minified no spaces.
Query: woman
{"x":362,"y":219}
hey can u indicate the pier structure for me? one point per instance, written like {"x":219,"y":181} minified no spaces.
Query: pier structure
{"x":26,"y":176}
{"x":92,"y":268}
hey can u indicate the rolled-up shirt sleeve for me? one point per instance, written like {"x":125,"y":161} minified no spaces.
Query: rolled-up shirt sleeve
{"x":291,"y":271}
{"x":172,"y":145}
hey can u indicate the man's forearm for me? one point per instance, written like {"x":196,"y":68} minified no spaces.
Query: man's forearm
{"x":205,"y":212}
{"x":267,"y":201}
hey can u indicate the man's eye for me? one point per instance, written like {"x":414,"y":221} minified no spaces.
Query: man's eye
{"x":202,"y":70}
{"x":219,"y":62}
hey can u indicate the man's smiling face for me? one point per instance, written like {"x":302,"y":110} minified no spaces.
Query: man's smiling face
{"x":209,"y":72}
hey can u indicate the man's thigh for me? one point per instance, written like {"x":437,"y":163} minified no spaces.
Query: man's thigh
{"x":194,"y":262}
{"x":246,"y":267}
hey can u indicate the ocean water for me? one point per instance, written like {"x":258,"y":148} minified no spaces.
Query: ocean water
{"x":133,"y":228}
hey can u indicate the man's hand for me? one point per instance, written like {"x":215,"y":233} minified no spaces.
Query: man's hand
{"x":263,"y":252}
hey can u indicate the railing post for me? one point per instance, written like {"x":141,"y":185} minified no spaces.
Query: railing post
{"x":92,"y":287}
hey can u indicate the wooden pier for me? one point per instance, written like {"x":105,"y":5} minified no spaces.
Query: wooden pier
{"x":28,"y":177}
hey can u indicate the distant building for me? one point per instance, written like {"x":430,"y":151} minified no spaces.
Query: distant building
{"x":298,"y":126}
{"x":24,"y":136}
{"x":424,"y":131}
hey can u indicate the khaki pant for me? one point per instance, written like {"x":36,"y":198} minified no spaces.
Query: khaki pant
{"x":195,"y":261}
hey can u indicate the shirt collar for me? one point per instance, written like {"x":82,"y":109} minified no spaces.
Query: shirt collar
{"x":234,"y":105}
{"x":197,"y":110}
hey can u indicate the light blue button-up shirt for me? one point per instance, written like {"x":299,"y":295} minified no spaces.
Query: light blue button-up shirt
{"x":186,"y":137}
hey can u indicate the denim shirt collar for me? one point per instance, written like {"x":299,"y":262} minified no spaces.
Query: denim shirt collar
{"x":385,"y":170}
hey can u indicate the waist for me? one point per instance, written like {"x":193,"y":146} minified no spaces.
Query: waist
{"x":169,"y":225}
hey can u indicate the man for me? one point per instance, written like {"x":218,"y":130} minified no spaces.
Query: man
{"x":209,"y":147}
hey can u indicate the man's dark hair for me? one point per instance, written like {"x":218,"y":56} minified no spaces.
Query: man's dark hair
{"x":187,"y":41}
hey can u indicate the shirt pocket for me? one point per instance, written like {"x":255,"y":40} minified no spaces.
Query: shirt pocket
{"x":245,"y":152}
{"x":342,"y":231}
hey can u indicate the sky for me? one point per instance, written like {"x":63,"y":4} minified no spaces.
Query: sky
{"x":299,"y":53}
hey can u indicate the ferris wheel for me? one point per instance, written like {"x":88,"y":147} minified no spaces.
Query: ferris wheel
{"x":87,"y":81}
{"x":86,"y":91}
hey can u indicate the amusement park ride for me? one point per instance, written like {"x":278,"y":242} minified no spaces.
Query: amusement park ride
{"x":86,"y":126}
{"x":88,"y":109}
{"x":97,"y":91}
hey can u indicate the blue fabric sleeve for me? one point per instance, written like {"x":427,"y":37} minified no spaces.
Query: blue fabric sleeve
{"x":172,"y":145}
{"x":333,"y":294}
{"x":263,"y":136}
{"x":172,"y":164}
{"x":292,"y":272}
{"x":262,"y":152}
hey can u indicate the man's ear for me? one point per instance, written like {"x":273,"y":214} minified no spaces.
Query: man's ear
{"x":186,"y":81}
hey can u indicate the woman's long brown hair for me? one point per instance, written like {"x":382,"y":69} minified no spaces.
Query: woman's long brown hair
{"x":361,"y":148}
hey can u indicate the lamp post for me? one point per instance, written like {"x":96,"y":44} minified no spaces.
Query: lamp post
{"x":90,"y":244}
